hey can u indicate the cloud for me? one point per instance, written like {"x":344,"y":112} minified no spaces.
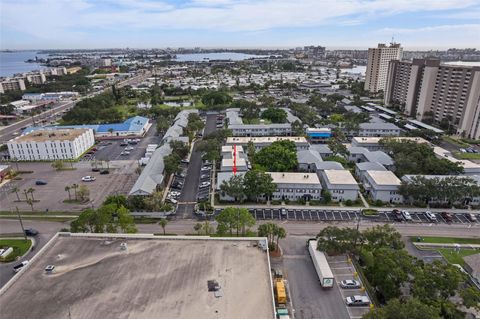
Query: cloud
{"x":474,"y":28}
{"x":57,"y":19}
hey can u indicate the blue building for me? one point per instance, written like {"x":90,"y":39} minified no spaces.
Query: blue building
{"x":318,"y":135}
{"x":135,"y":126}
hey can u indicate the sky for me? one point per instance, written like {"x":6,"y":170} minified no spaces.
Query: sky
{"x":82,"y":24}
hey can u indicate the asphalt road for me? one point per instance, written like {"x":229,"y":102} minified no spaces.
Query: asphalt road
{"x":185,"y":208}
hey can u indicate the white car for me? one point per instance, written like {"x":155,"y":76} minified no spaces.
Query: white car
{"x":406,"y":215}
{"x":125,"y":153}
{"x":357,"y":300}
{"x":431,"y":216}
{"x":128,"y":148}
{"x":205,"y":184}
{"x":350,"y":284}
{"x":88,"y":179}
{"x":20,"y":266}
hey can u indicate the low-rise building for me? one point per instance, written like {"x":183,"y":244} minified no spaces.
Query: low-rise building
{"x":308,"y":160}
{"x":469,"y":167}
{"x":318,"y":135}
{"x":295,"y":186}
{"x":233,"y":156}
{"x":362,"y":168}
{"x":322,"y":149}
{"x":263,"y":141}
{"x":373,"y":143}
{"x":274,"y":129}
{"x":382,"y":185}
{"x":378,"y":129}
{"x":45,"y":144}
{"x":361,"y":154}
{"x":341,"y":184}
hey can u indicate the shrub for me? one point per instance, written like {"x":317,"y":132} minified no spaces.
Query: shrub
{"x":348,"y":202}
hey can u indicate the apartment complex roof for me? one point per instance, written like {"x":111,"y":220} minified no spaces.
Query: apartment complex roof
{"x":46,"y":135}
{"x":383,"y":178}
{"x":339,"y":177}
{"x":294,"y":178}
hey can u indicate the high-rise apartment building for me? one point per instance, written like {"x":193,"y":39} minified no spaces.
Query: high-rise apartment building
{"x":377,"y":65}
{"x":14,"y":84}
{"x":440,"y":92}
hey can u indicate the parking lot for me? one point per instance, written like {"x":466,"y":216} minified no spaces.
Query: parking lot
{"x":313,"y":214}
{"x":309,"y":299}
{"x":52,"y":195}
{"x":112,"y":150}
{"x":342,"y":269}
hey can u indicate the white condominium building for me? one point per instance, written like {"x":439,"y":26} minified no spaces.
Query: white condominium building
{"x":12,"y":85}
{"x":51,"y":144}
{"x":377,"y":66}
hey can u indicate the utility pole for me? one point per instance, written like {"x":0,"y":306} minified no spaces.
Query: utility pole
{"x":21,"y":222}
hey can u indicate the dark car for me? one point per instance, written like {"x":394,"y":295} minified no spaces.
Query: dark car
{"x":31,"y":232}
{"x":447,"y":216}
{"x":124,"y":144}
{"x":397,"y":215}
{"x":95,"y":169}
{"x":40,"y":182}
{"x":104,"y":172}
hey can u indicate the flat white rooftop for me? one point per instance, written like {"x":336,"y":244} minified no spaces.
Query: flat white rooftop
{"x":154,"y":278}
{"x":340,"y":177}
{"x":294,"y":178}
{"x":376,"y":140}
{"x":265,"y":139}
{"x":384,"y":178}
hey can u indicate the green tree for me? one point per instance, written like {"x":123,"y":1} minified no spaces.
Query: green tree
{"x":275,"y":115}
{"x":337,"y":147}
{"x":234,"y":187}
{"x":257,"y":184}
{"x":30,"y":202}
{"x":198,"y":227}
{"x":250,"y":110}
{"x":119,"y":200}
{"x":326,"y":196}
{"x":75,"y":187}
{"x":83,"y":193}
{"x":409,"y":309}
{"x":163,"y":223}
{"x":338,"y":240}
{"x":297,"y":128}
{"x":215,"y":98}
{"x":471,"y":297}
{"x":382,"y":236}
{"x":179,"y":148}
{"x":172,"y":163}
{"x":6,"y":109}
{"x":58,"y":165}
{"x":280,"y":156}
{"x":251,"y":152}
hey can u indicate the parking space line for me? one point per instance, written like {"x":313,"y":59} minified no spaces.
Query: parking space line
{"x":456,"y":216}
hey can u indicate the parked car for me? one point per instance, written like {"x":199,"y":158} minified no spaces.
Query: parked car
{"x":129,"y":148}
{"x":350,"y":284}
{"x":172,"y":200}
{"x":20,"y":266}
{"x":397,"y":215}
{"x":204,"y":184}
{"x":407,"y":216}
{"x":357,"y":300}
{"x":205,"y":169}
{"x":31,"y":232}
{"x":431,"y":216}
{"x":471,"y":217}
{"x":447,"y":216}
{"x":104,"y":172}
{"x":184,"y":161}
{"x":180,"y":175}
{"x":88,"y":178}
{"x":95,"y":169}
{"x":41,"y":182}
{"x":203,"y":176}
{"x":124,"y":144}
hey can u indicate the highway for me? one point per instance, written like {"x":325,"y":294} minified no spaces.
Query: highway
{"x":7,"y":133}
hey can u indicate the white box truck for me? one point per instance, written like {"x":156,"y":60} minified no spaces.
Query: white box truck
{"x":321,"y":265}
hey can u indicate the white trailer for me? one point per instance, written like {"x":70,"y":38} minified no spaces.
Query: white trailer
{"x":321,"y":265}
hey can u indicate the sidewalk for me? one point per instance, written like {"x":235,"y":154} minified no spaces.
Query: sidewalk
{"x":438,"y":245}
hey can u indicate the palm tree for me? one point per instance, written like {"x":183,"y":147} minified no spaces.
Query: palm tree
{"x":25,"y":192}
{"x":30,"y":202}
{"x":67,"y":189}
{"x":110,"y":130}
{"x":75,"y":186}
{"x":15,"y":190}
{"x":31,"y":190}
{"x":163,"y":223}
{"x":281,"y":233}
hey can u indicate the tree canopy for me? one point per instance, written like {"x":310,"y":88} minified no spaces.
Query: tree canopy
{"x":234,"y":219}
{"x":214,"y":98}
{"x":275,"y":115}
{"x":280,"y":156}
{"x":257,"y":184}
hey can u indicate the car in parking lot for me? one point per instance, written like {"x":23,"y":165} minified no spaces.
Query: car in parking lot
{"x":184,"y":161}
{"x":205,"y":169}
{"x":447,"y":216}
{"x":406,"y":215}
{"x":125,"y":153}
{"x":104,"y":172}
{"x":123,"y":144}
{"x":397,"y":215}
{"x":203,"y":176}
{"x":350,"y":284}
{"x":202,"y":197}
{"x":88,"y":178}
{"x":171,"y":200}
{"x":357,"y":300}
{"x":471,"y":217}
{"x":204,"y":184}
{"x":431,"y":216}
{"x":41,"y":182}
{"x":129,"y":148}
